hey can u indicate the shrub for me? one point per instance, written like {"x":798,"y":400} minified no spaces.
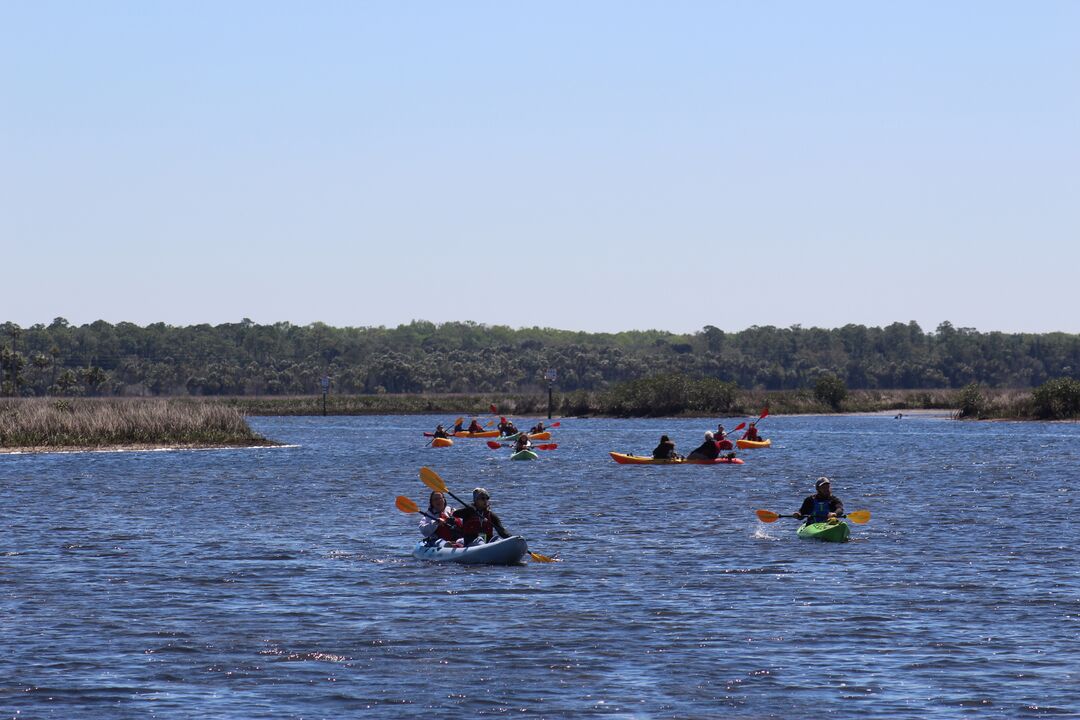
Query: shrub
{"x":830,"y":390}
{"x":1057,"y":399}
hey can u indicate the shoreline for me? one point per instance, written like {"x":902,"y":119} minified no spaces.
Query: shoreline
{"x":137,"y":447}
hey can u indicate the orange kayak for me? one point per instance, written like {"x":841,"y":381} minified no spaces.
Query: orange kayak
{"x":753,"y":443}
{"x":625,"y":459}
{"x":441,"y":442}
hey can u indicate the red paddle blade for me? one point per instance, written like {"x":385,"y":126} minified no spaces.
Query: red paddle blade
{"x":493,"y":445}
{"x":764,"y":414}
{"x":548,"y":446}
{"x":494,"y":410}
{"x":555,"y":424}
{"x":740,"y":426}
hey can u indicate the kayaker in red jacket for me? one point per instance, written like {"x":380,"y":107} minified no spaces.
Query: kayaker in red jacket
{"x":721,"y":438}
{"x":752,"y":433}
{"x":822,"y":505}
{"x":706,"y":450}
{"x":478,"y":519}
{"x":474,"y":427}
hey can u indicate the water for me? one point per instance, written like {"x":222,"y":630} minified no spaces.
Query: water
{"x":277,"y":583}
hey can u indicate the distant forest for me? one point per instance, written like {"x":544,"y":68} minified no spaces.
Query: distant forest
{"x":247,"y":359}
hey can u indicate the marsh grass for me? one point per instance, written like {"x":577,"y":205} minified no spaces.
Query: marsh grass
{"x":97,"y":422}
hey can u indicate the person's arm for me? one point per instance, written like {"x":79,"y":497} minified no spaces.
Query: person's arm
{"x":805,"y":509}
{"x":497,"y":524}
{"x":837,"y":506}
{"x":427,"y":526}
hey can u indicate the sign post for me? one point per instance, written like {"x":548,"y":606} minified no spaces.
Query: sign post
{"x":550,"y":376}
{"x":325,"y":382}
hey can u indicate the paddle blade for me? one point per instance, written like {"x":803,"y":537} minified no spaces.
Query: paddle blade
{"x":542,"y":558}
{"x":547,"y":446}
{"x":859,"y":517}
{"x":432,"y":479}
{"x":459,"y":421}
{"x":494,"y":410}
{"x":767,"y":516}
{"x":738,"y":427}
{"x":554,"y":424}
{"x":489,"y":423}
{"x":764,"y":414}
{"x":406,"y":505}
{"x":493,"y":445}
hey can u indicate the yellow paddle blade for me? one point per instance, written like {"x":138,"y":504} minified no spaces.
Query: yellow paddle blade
{"x":542,"y":558}
{"x":767,"y":516}
{"x":859,"y":516}
{"x":432,"y":479}
{"x":489,"y":423}
{"x":459,"y":421}
{"x":406,"y":505}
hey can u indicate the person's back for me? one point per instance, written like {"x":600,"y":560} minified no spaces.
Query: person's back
{"x":706,"y":451}
{"x":665,"y":450}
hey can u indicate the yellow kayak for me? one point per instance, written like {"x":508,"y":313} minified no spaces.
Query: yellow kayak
{"x":748,"y":444}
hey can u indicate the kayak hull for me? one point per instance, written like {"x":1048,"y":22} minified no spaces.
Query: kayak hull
{"x":753,"y":444}
{"x":467,"y":434}
{"x":524,"y":455}
{"x":504,"y":551}
{"x":627,"y":459}
{"x":824,"y":531}
{"x":441,"y":442}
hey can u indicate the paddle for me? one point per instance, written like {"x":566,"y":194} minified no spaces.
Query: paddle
{"x":764,"y":414}
{"x":546,"y":446}
{"x":433,"y":481}
{"x":859,"y":517}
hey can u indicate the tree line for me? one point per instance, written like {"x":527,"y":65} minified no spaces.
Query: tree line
{"x":248,"y":359}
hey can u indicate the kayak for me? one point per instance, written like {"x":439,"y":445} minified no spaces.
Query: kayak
{"x":525,"y":454}
{"x":532,"y":436}
{"x":500,"y":551}
{"x":829,"y":532}
{"x":441,"y":442}
{"x":625,"y":459}
{"x":467,"y":434}
{"x":753,"y":443}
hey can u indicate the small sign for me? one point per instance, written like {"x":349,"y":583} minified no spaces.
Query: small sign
{"x":325,"y":382}
{"x":550,"y":375}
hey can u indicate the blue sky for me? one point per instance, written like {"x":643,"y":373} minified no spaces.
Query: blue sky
{"x":595,"y":166}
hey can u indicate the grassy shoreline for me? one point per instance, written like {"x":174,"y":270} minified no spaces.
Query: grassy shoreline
{"x":88,"y":424}
{"x":46,"y":424}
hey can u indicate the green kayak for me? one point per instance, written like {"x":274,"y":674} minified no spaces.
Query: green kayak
{"x":524,"y":455}
{"x":829,"y":532}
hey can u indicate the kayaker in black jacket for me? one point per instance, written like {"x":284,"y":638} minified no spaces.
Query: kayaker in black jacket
{"x":477,"y":519}
{"x":665,"y":450}
{"x":707,"y":450}
{"x":522,"y":443}
{"x":821,"y":506}
{"x":440,"y":432}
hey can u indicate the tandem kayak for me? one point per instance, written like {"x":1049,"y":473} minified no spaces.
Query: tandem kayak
{"x":532,"y":436}
{"x":625,"y":459}
{"x":502,"y":551}
{"x":525,"y":454}
{"x":837,"y":531}
{"x":441,"y":442}
{"x":745,"y":444}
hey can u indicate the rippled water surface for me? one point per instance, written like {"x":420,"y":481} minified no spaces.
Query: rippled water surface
{"x":277,"y":583}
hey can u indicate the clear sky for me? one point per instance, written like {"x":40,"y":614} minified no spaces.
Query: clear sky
{"x":588,"y":165}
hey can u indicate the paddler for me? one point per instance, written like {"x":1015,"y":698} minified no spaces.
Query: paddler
{"x":477,"y":519}
{"x":752,"y":433}
{"x":459,"y":426}
{"x":665,"y":450}
{"x":474,"y":427}
{"x":537,"y":428}
{"x":440,"y":432}
{"x":443,"y":527}
{"x":707,"y":450}
{"x":507,"y":427}
{"x":522,"y":443}
{"x":822,"y":506}
{"x":721,"y":438}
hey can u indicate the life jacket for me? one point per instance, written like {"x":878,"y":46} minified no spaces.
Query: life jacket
{"x":724,"y":444}
{"x":821,"y":510}
{"x":477,"y":524}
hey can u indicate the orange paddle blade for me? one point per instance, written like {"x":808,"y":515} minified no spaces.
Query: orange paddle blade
{"x":406,"y":505}
{"x":767,"y":516}
{"x":859,"y":517}
{"x":432,"y":479}
{"x":490,"y":422}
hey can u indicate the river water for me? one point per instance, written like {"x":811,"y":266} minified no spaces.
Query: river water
{"x":277,"y":583}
